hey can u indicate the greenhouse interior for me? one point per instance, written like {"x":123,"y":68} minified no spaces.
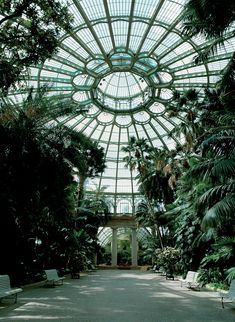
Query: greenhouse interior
{"x":117,"y":139}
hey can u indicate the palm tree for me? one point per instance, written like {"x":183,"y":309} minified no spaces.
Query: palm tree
{"x":138,"y":151}
{"x":218,"y":155}
{"x":37,"y":192}
{"x":210,"y":18}
{"x":218,"y":167}
{"x":153,"y":175}
{"x":87,"y":157}
{"x":212,"y":171}
{"x":186,"y":104}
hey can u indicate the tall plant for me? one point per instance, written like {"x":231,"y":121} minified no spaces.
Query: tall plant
{"x":38,"y":191}
{"x":29,"y":34}
{"x":212,"y":171}
{"x":155,"y":176}
{"x":212,"y":19}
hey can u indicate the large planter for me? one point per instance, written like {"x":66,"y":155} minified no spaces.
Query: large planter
{"x":124,"y":266}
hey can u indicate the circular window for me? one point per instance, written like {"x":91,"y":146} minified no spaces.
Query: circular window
{"x":122,"y":91}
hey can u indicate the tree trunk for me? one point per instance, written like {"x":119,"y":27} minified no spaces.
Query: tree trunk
{"x":158,"y":233}
{"x":80,"y":190}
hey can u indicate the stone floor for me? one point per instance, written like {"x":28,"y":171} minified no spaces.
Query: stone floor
{"x":117,"y":296}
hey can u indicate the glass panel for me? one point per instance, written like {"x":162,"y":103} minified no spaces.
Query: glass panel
{"x":102,"y":30}
{"x":120,"y":30}
{"x":112,"y":62}
{"x":145,"y":8}
{"x":152,"y":38}
{"x":94,"y":9}
{"x":86,"y":35}
{"x":120,"y":7}
{"x":124,"y":186}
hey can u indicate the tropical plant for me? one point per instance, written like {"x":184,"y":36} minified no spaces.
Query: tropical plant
{"x":87,"y":157}
{"x":158,"y":171}
{"x":208,"y":185}
{"x":148,"y":248}
{"x":212,"y":19}
{"x":38,"y":191}
{"x":29,"y":34}
{"x":80,"y":249}
{"x":138,"y":157}
{"x":186,"y":106}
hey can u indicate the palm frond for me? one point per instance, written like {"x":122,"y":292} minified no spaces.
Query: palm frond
{"x":211,"y":50}
{"x":221,"y":143}
{"x":225,"y":241}
{"x":219,"y":168}
{"x":227,"y":82}
{"x":224,"y":168}
{"x":216,"y":193}
{"x":222,"y":209}
{"x":202,"y":169}
{"x":208,"y":18}
{"x":230,"y":274}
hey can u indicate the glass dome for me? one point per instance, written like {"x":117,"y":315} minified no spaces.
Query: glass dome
{"x":123,"y":60}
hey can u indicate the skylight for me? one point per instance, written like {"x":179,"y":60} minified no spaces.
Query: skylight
{"x":123,"y":61}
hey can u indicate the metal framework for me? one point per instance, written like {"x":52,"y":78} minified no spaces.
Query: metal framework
{"x":123,"y":60}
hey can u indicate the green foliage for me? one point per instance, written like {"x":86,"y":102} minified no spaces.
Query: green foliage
{"x":38,"y":191}
{"x":147,"y":253}
{"x":207,"y":186}
{"x":29,"y":34}
{"x":124,"y":254}
{"x":230,"y":274}
{"x":222,"y":257}
{"x":188,"y":237}
{"x":212,"y":19}
{"x":212,"y":276}
{"x":80,"y":250}
{"x":168,"y":258}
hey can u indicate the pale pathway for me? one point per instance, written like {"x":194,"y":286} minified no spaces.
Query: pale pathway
{"x":117,"y":296}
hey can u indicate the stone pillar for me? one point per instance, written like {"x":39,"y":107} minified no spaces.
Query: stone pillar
{"x":134,"y":248}
{"x":114,"y":247}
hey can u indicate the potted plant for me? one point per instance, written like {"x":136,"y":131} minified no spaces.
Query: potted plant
{"x":167,"y":258}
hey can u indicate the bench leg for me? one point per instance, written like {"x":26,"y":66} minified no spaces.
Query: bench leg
{"x":222,"y":302}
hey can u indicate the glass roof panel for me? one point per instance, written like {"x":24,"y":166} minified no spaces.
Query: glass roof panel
{"x":138,"y":29}
{"x":94,"y":9}
{"x":122,"y":61}
{"x":102,"y":29}
{"x":119,"y":8}
{"x":145,"y":8}
{"x":169,"y":10}
{"x":120,"y":29}
{"x":86,"y":38}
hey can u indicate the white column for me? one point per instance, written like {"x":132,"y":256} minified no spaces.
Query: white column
{"x":134,"y":248}
{"x":114,"y":247}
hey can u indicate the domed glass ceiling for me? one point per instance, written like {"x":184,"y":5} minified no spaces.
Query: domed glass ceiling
{"x":121,"y":64}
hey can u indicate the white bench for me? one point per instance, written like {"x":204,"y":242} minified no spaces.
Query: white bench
{"x":230,"y":295}
{"x":91,"y":267}
{"x":190,"y":280}
{"x":6,"y":290}
{"x":52,"y":277}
